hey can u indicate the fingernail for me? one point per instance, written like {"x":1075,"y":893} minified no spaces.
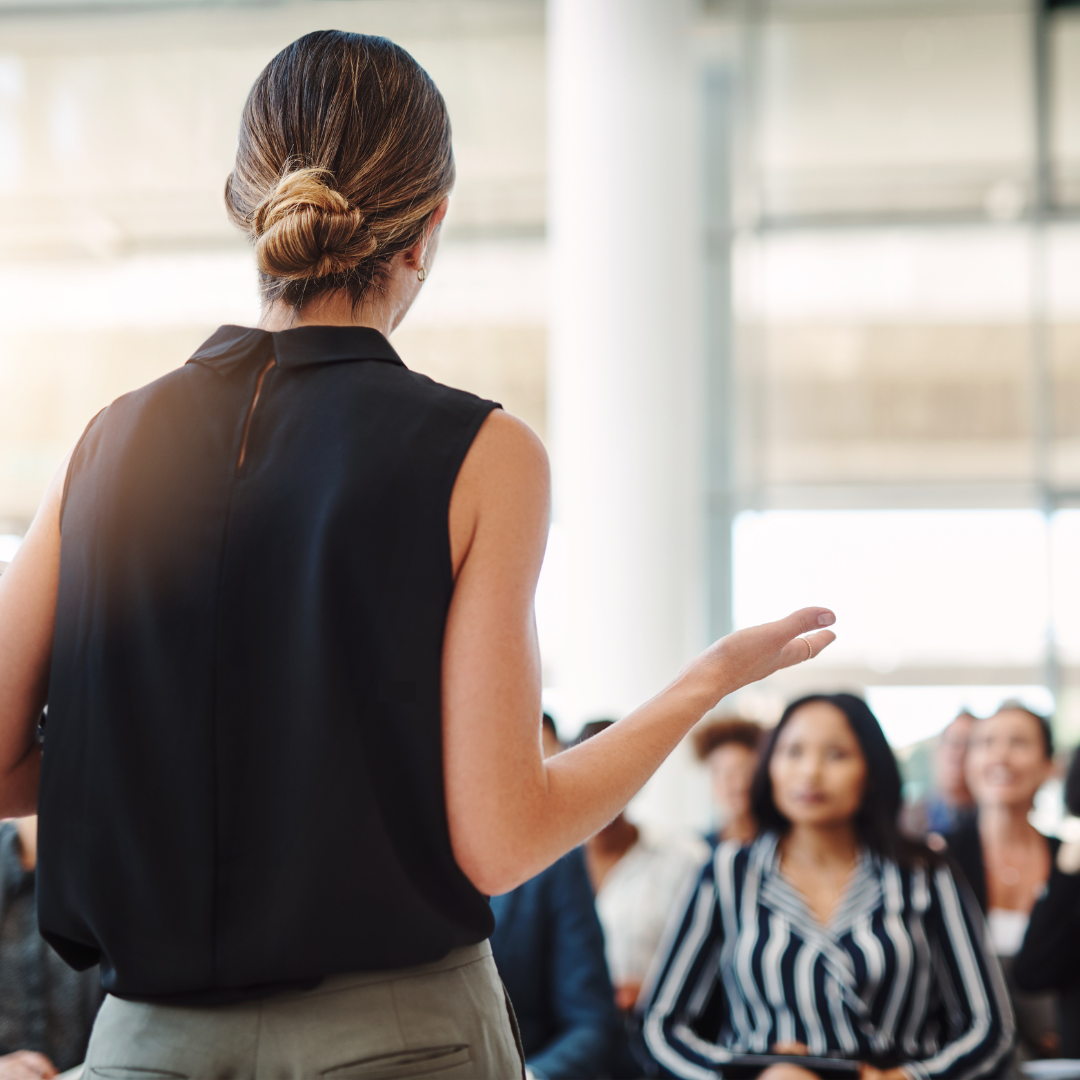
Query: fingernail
{"x":826,"y":618}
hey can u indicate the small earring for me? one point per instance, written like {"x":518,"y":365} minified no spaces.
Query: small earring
{"x":421,"y":275}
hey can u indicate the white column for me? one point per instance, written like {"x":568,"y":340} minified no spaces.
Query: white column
{"x":625,"y":360}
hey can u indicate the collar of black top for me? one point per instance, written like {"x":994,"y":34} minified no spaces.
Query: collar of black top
{"x":234,"y":345}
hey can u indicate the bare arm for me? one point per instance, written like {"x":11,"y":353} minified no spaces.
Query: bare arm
{"x":510,"y":812}
{"x":27,"y":614}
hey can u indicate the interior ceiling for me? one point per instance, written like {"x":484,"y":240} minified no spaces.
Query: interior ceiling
{"x":831,"y":9}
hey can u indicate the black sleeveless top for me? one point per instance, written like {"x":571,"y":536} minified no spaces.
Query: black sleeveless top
{"x":242,"y":780}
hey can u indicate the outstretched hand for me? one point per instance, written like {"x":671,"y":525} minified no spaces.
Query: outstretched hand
{"x":749,"y":655}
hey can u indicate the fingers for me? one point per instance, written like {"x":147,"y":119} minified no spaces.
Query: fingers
{"x":801,"y":649}
{"x":787,"y":1072}
{"x":791,"y":1048}
{"x":25,"y":1065}
{"x":820,"y":640}
{"x":41,"y":1065}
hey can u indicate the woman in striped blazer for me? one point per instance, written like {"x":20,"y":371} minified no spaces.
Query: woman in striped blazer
{"x":829,"y":935}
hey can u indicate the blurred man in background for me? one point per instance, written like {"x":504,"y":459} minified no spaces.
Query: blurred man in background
{"x":950,"y":804}
{"x":729,"y":747}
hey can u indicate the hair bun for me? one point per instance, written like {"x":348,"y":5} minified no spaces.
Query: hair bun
{"x":306,"y":229}
{"x":330,"y":185}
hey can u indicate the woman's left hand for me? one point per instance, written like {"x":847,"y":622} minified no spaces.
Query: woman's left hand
{"x":868,"y":1072}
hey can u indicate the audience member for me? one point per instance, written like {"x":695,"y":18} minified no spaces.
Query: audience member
{"x":1005,"y":859}
{"x":949,"y":805}
{"x":830,"y":934}
{"x":549,"y":950}
{"x":729,"y":747}
{"x":637,"y":875}
{"x":46,"y":1008}
{"x":1049,"y":959}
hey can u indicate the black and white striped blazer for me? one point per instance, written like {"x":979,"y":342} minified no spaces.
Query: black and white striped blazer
{"x":900,"y":976}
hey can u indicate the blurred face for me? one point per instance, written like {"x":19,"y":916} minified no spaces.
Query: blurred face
{"x":951,"y":759}
{"x":817,"y":768}
{"x":1006,"y":760}
{"x":731,"y":768}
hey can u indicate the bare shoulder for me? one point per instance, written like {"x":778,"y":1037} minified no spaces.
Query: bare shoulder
{"x":505,"y":441}
{"x":504,"y":483}
{"x":505,"y":453}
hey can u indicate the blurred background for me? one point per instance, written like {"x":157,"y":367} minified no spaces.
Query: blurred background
{"x":790,"y":289}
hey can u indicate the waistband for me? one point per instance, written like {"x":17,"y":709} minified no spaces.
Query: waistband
{"x":456,"y":958}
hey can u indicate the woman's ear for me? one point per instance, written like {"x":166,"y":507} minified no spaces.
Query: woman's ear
{"x":436,"y":218}
{"x":414,"y":256}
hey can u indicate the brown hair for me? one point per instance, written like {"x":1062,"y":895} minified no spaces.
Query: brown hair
{"x":343,"y":155}
{"x":707,"y":737}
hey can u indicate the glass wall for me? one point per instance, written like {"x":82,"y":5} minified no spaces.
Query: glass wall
{"x":892,"y":244}
{"x":906,"y":342}
{"x":117,"y":129}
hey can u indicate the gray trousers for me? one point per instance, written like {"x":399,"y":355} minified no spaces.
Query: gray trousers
{"x":447,"y":1020}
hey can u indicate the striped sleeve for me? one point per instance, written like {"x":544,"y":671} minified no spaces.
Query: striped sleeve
{"x":980,"y":1025}
{"x":681,"y":987}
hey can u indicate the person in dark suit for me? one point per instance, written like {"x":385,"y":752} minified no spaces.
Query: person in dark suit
{"x":1050,"y":956}
{"x":549,"y":949}
{"x":46,"y":1008}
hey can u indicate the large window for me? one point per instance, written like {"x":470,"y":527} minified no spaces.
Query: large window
{"x":904,"y":439}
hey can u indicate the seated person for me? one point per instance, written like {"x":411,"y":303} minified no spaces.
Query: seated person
{"x":729,"y":747}
{"x":1005,"y":859}
{"x":1049,"y":958}
{"x":46,"y":1008}
{"x":637,"y":876}
{"x":830,"y":934}
{"x":949,"y":805}
{"x":549,"y":949}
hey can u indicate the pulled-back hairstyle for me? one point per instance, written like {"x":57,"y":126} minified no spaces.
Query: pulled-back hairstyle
{"x":344,"y":153}
{"x":1046,"y":732}
{"x":876,"y":822}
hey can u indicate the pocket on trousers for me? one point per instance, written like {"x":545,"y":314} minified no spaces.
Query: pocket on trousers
{"x":121,"y":1072}
{"x":402,"y":1064}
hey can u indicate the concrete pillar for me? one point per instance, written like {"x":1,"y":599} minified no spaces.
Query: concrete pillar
{"x":625,"y":391}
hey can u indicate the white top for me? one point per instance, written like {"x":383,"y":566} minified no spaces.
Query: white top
{"x":1007,"y":930}
{"x":638,"y":896}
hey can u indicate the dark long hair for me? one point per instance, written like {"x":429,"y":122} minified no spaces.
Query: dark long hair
{"x":876,"y":822}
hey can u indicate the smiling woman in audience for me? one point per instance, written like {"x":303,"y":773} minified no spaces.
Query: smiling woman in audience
{"x":829,"y":935}
{"x":1005,"y":859}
